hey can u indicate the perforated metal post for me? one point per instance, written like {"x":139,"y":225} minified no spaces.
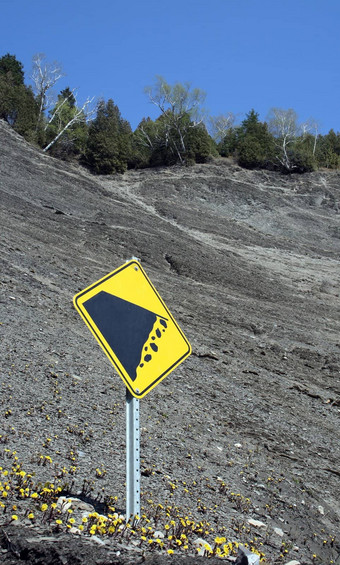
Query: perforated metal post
{"x":132,"y":456}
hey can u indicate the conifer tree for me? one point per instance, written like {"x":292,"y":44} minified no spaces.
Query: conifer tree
{"x":12,"y":69}
{"x":144,"y":142}
{"x":109,"y":141}
{"x":17,"y":103}
{"x":254,"y":144}
{"x":328,"y":150}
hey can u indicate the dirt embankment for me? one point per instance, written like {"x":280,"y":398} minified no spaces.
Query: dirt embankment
{"x":247,"y":429}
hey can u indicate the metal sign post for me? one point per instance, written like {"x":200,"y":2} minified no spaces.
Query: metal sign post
{"x":132,"y":456}
{"x":139,"y":335}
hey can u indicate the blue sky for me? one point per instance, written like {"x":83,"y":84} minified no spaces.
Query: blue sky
{"x":243,"y":53}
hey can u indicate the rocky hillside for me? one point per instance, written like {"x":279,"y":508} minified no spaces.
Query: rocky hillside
{"x":244,"y":434}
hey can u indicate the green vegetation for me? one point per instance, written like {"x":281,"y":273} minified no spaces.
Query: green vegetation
{"x":64,"y":141}
{"x":18,"y":105}
{"x":104,"y":142}
{"x":109,"y":141}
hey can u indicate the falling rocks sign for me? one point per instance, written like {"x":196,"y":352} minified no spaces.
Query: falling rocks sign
{"x":134,"y":327}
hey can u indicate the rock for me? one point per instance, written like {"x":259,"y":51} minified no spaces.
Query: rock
{"x":279,"y":532}
{"x":241,"y":559}
{"x":63,"y":503}
{"x":256,"y":523}
{"x":198,"y":542}
{"x":201,"y":545}
{"x":294,"y":562}
{"x":97,"y":540}
{"x":321,"y":510}
{"x":66,"y":502}
{"x":75,"y":531}
{"x":42,"y":539}
{"x":246,"y":557}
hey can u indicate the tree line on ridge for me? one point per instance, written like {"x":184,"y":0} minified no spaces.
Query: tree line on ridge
{"x":97,"y":136}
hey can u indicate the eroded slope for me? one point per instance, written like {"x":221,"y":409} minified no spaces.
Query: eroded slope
{"x":248,"y":263}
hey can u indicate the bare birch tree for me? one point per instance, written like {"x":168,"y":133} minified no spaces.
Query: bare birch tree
{"x":83,"y":114}
{"x":176,"y":103}
{"x":218,"y":126}
{"x":57,"y":111}
{"x":283,"y":125}
{"x":311,"y":127}
{"x":44,"y":76}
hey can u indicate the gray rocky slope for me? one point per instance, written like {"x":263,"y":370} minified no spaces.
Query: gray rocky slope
{"x":248,"y":263}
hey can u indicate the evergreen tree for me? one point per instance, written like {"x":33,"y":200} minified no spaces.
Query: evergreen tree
{"x":302,"y":154}
{"x":228,"y":145}
{"x":255,"y":145}
{"x":333,"y":140}
{"x":67,"y":94}
{"x":27,"y":113}
{"x":158,"y":143}
{"x":200,"y":146}
{"x":109,"y":141}
{"x":17,"y":103}
{"x":144,"y":141}
{"x":328,"y":150}
{"x":12,"y":69}
{"x":251,"y":154}
{"x":251,"y":124}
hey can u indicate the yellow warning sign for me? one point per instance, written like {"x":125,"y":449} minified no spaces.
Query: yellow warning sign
{"x":133,"y":326}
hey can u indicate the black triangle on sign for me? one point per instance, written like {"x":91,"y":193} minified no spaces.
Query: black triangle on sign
{"x":125,"y":326}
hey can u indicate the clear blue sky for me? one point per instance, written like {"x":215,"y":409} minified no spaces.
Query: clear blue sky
{"x":243,"y":53}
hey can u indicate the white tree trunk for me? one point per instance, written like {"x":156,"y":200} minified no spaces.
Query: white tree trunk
{"x":78,"y":117}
